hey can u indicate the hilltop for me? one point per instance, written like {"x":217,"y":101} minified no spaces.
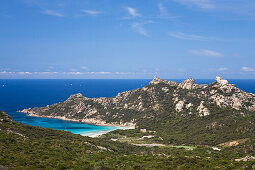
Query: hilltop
{"x":182,"y":113}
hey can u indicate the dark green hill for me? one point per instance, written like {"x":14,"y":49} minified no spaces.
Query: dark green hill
{"x":28,"y":147}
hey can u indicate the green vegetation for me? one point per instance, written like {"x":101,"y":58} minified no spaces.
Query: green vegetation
{"x":27,"y":147}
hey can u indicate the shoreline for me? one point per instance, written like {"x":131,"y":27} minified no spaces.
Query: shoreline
{"x":98,"y":133}
{"x":87,"y":121}
{"x":92,"y":133}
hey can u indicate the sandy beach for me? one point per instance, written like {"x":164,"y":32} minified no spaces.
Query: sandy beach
{"x":98,"y":133}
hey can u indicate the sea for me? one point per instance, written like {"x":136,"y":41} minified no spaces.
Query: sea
{"x":19,"y":94}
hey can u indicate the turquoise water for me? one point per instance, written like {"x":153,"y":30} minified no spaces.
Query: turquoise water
{"x":20,"y":94}
{"x":77,"y":128}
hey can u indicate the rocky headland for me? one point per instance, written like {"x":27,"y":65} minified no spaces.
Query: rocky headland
{"x":128,"y":108}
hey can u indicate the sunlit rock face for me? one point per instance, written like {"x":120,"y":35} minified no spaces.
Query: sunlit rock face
{"x":157,"y":80}
{"x":221,"y":81}
{"x":188,"y":84}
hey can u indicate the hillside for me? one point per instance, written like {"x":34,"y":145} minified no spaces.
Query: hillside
{"x":28,"y":147}
{"x":185,"y":113}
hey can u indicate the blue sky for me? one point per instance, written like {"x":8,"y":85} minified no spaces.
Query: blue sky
{"x":127,"y":38}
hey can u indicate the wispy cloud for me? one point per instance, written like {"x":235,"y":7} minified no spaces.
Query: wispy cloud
{"x":205,"y":4}
{"x":163,"y":14}
{"x":86,"y":73}
{"x":74,"y":73}
{"x":138,"y":27}
{"x":247,"y":69}
{"x":6,"y":72}
{"x":206,"y":53}
{"x":133,"y":12}
{"x":69,"y":74}
{"x":184,"y":36}
{"x":162,"y":9}
{"x":101,"y":72}
{"x":46,"y":72}
{"x":240,"y":7}
{"x":23,"y":73}
{"x":125,"y":73}
{"x":91,"y":12}
{"x":53,"y":13}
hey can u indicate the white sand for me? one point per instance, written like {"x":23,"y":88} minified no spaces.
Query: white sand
{"x":97,"y":133}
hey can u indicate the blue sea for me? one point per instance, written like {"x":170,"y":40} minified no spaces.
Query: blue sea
{"x":20,"y":94}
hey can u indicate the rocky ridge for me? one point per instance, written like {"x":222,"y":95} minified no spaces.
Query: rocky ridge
{"x":127,"y":108}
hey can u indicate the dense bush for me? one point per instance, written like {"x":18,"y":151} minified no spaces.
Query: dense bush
{"x":27,"y":147}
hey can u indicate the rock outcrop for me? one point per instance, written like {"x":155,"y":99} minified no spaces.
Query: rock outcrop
{"x":5,"y":117}
{"x":188,"y":84}
{"x":228,"y":95}
{"x":157,"y":80}
{"x":203,"y":111}
{"x":245,"y":159}
{"x":221,"y":81}
{"x":179,"y":106}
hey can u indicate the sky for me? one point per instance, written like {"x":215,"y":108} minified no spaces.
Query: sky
{"x":127,"y":39}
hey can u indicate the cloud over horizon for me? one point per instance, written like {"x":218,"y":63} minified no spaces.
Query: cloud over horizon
{"x":247,"y":69}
